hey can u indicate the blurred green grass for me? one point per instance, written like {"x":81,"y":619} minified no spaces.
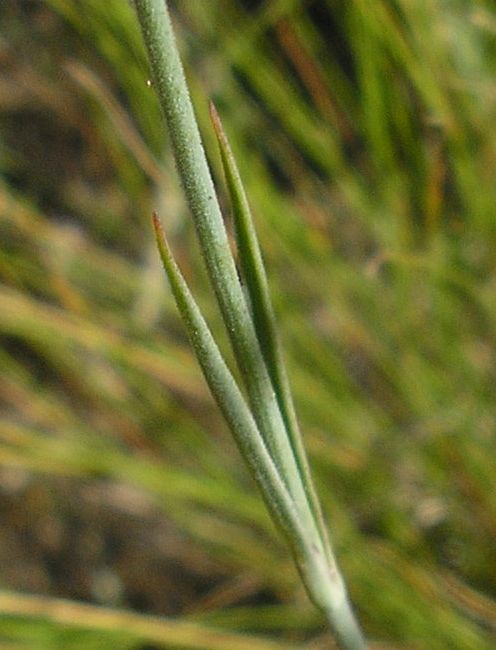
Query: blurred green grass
{"x":365,"y":135}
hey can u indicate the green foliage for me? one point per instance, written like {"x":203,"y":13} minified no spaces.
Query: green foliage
{"x":365,"y":137}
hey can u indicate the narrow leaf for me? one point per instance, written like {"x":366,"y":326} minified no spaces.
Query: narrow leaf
{"x":232,"y":403}
{"x":253,"y":271}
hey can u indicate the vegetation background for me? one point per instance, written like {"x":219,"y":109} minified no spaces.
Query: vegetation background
{"x":365,"y":133}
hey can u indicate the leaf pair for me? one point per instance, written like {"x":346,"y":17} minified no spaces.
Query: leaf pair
{"x":267,"y":457}
{"x":276,"y":456}
{"x":264,"y":426}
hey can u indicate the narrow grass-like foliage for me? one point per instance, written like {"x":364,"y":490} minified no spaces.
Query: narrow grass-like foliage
{"x":266,"y":431}
{"x":364,"y":134}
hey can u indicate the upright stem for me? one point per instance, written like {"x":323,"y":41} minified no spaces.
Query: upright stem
{"x":315,"y":560}
{"x":172,"y":90}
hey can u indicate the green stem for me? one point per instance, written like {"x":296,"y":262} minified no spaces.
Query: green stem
{"x":262,"y":435}
{"x":172,"y":90}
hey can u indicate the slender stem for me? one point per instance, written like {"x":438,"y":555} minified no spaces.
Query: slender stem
{"x":172,"y":90}
{"x":262,"y":434}
{"x":345,"y":627}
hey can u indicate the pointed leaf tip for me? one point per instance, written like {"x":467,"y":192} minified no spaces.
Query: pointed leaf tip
{"x":156,"y":223}
{"x":216,"y":122}
{"x":163,"y":247}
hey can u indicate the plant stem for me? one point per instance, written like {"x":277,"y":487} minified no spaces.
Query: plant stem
{"x":172,"y":90}
{"x":280,"y":473}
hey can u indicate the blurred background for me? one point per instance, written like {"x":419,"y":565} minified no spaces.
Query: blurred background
{"x":365,"y":134}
